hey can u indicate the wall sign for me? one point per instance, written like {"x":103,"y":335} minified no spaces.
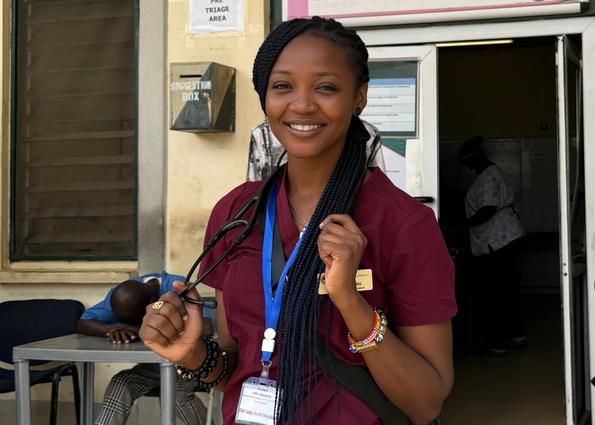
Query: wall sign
{"x":370,"y":12}
{"x":391,"y":104}
{"x":215,"y":15}
{"x":392,"y":98}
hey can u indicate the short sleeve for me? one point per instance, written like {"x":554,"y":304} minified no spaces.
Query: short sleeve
{"x":491,"y":188}
{"x":102,"y":311}
{"x":422,"y":273}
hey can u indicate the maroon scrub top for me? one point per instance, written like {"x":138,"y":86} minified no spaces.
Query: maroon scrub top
{"x":413,"y":278}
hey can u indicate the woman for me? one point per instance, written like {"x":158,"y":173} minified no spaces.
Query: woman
{"x":495,"y":236}
{"x":311,"y":76}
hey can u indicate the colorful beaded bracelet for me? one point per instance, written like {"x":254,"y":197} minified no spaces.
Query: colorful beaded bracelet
{"x":374,"y":339}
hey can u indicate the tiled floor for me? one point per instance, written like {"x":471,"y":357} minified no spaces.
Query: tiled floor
{"x":523,"y":388}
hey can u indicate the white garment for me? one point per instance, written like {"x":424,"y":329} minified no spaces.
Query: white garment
{"x":265,"y":151}
{"x":490,"y":188}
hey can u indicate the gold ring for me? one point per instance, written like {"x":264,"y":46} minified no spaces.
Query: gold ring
{"x":157,"y":305}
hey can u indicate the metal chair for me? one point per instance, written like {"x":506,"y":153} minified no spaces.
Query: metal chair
{"x":33,"y":320}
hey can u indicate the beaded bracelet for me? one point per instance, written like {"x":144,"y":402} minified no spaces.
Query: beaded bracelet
{"x":374,"y":339}
{"x":206,"y":386}
{"x":207,"y":365}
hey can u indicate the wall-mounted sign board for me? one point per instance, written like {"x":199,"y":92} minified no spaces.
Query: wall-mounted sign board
{"x":386,"y":12}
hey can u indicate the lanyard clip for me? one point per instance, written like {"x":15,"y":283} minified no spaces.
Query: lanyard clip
{"x":266,"y":365}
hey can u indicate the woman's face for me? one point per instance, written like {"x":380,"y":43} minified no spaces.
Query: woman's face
{"x":311,"y":96}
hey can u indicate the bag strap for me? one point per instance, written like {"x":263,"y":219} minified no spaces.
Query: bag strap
{"x":356,"y":379}
{"x":359,"y":381}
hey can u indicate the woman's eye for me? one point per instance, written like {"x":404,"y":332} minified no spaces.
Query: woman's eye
{"x":327,"y":88}
{"x":281,"y":85}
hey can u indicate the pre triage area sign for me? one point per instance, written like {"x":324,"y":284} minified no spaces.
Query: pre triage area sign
{"x":215,"y":15}
{"x":392,"y":105}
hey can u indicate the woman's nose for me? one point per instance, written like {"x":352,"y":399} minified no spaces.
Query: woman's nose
{"x":303,"y":102}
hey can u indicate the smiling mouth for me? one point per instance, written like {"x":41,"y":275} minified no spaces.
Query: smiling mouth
{"x":305,"y":127}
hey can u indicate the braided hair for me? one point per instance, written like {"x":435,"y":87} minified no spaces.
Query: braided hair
{"x":297,"y":338}
{"x":328,"y":29}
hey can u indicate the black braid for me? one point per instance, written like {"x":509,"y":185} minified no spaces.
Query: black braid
{"x":270,"y":50}
{"x":298,"y":326}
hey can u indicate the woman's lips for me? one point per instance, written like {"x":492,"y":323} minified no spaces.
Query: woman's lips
{"x":304,"y":130}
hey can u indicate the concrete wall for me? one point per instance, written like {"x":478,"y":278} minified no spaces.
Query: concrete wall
{"x":202,"y":167}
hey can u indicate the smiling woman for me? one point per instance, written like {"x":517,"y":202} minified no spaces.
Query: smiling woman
{"x":312,"y":94}
{"x":387,"y":291}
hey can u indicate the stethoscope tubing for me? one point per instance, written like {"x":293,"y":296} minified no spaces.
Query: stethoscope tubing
{"x":256,"y":203}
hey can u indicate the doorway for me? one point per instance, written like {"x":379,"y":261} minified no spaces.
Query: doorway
{"x":507,"y":93}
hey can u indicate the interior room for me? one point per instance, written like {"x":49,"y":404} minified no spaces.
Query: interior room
{"x":507,"y":94}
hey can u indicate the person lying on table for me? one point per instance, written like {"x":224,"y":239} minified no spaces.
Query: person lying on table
{"x":118,"y":317}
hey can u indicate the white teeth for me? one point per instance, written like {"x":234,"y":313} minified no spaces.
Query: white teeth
{"x":304,"y":127}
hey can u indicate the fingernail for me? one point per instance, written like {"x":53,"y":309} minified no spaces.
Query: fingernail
{"x":185,"y":317}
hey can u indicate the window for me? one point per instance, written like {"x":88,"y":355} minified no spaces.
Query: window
{"x":73,"y":186}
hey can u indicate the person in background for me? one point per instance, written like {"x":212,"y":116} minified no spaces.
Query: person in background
{"x":118,"y":318}
{"x":495,"y":235}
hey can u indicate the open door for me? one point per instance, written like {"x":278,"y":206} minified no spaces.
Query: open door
{"x":402,"y":104}
{"x":573,"y":282}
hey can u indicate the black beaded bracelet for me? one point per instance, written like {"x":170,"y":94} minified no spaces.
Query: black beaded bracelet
{"x":207,"y":365}
{"x":206,"y":386}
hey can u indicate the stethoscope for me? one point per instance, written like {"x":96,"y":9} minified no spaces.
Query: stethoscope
{"x":257,"y":202}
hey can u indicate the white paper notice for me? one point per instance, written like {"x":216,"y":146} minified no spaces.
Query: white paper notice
{"x":396,"y":167}
{"x":391,"y":104}
{"x":215,"y":15}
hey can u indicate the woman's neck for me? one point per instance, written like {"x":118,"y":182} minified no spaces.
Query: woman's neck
{"x":305,"y":182}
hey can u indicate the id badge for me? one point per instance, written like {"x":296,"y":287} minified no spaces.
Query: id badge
{"x":257,"y":402}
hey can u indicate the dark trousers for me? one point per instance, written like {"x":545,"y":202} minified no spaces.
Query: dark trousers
{"x":497,"y":289}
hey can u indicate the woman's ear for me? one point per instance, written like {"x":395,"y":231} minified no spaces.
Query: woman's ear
{"x":361,"y":98}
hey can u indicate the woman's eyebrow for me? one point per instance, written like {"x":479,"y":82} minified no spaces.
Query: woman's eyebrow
{"x":280,"y":71}
{"x":318,"y":74}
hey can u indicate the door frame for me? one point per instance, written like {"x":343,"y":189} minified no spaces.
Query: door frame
{"x":566,"y":53}
{"x":583,"y":26}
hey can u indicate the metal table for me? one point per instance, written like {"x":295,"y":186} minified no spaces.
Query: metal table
{"x":88,"y":350}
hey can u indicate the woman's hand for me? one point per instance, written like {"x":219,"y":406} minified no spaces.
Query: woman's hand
{"x":173,"y":330}
{"x":340,"y":246}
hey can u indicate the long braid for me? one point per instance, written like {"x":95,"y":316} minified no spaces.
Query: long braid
{"x":301,"y":303}
{"x":299,"y":319}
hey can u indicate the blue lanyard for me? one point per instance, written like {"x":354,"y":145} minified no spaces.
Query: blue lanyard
{"x":272,"y":305}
